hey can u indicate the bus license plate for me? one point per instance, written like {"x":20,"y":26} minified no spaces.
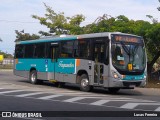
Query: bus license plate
{"x":132,"y":86}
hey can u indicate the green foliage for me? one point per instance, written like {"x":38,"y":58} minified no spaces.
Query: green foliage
{"x":158,"y":7}
{"x":154,"y":20}
{"x":5,"y":54}
{"x":21,"y":36}
{"x":153,"y":43}
{"x":59,"y":24}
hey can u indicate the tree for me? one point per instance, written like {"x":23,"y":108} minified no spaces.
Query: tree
{"x":154,"y":20}
{"x":21,"y":36}
{"x":5,"y":54}
{"x":101,"y":24}
{"x":59,"y":24}
{"x":158,"y":7}
{"x":153,"y":47}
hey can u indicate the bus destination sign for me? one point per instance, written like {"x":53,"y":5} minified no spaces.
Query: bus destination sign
{"x":126,"y":38}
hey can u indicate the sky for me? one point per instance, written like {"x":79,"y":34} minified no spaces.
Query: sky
{"x":16,"y":14}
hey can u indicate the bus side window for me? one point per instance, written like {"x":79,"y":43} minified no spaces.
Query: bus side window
{"x":84,"y":49}
{"x":75,"y":49}
{"x":66,"y":49}
{"x":39,"y":51}
{"x":107,"y":55}
{"x":19,"y":51}
{"x":29,"y":50}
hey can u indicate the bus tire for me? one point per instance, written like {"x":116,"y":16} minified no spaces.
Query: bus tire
{"x":113,"y":90}
{"x":33,"y":77}
{"x":84,"y":83}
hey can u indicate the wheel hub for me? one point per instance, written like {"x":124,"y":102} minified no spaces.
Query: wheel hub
{"x":84,"y":82}
{"x":33,"y":77}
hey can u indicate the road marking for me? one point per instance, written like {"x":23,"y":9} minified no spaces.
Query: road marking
{"x":133,"y":105}
{"x":158,"y":109}
{"x":71,"y":92}
{"x":100,"y":102}
{"x":29,"y":94}
{"x":11,"y":91}
{"x":120,"y":98}
{"x":133,"y":100}
{"x":49,"y":97}
{"x":77,"y":98}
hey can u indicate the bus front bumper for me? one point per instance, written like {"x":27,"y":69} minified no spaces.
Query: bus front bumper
{"x":126,"y":83}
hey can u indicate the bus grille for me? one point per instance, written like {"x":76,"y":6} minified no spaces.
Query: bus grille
{"x":127,"y":84}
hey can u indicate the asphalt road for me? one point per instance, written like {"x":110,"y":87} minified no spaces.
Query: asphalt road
{"x":17,"y":94}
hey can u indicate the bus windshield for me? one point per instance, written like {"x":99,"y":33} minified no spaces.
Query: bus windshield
{"x":128,"y":57}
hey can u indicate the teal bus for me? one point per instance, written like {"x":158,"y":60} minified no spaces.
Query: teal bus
{"x":111,"y":60}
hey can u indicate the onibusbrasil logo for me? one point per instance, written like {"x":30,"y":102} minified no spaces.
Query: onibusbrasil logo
{"x":21,"y":115}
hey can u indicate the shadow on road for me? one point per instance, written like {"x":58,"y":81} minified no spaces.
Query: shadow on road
{"x":103,"y":91}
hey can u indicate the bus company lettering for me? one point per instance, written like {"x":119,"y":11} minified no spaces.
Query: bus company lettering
{"x":61,"y":64}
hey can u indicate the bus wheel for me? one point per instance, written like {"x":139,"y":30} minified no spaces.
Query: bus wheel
{"x":84,"y":83}
{"x":113,"y":90}
{"x":33,"y":77}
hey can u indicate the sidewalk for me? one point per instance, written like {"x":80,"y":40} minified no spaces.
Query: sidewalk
{"x":149,"y":91}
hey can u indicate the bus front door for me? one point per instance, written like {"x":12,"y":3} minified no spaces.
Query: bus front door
{"x":99,"y":54}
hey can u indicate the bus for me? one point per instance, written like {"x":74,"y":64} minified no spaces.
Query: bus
{"x":111,"y":60}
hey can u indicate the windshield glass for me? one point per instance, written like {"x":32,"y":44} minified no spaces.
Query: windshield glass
{"x":128,"y":57}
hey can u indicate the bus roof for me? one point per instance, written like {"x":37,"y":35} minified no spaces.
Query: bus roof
{"x":70,"y":37}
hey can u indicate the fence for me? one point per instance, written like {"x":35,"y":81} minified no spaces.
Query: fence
{"x":7,"y":61}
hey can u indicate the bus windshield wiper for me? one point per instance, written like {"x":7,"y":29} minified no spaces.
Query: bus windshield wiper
{"x":125,"y":48}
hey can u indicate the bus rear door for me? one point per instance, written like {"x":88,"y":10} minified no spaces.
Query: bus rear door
{"x":54,"y":61}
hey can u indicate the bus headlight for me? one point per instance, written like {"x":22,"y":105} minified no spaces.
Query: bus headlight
{"x":115,"y":75}
{"x":123,"y":76}
{"x":145,"y":75}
